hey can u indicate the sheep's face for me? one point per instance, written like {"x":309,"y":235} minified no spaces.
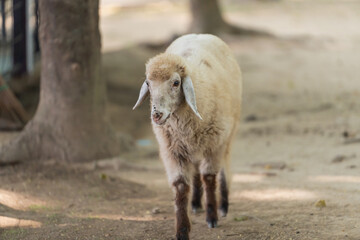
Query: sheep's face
{"x":168,"y":85}
{"x":166,"y":96}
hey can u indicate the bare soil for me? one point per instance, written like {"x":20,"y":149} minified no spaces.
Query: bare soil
{"x":301,"y":97}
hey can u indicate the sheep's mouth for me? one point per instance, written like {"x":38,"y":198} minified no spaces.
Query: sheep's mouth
{"x":161,"y":121}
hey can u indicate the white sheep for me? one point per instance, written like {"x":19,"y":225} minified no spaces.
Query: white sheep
{"x":195,"y":90}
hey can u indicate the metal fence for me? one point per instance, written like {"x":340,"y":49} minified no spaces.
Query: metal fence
{"x":19,"y":36}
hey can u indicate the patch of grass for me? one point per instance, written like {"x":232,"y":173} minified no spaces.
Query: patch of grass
{"x":54,"y":218}
{"x":241,"y":218}
{"x":92,"y":218}
{"x":39,"y":208}
{"x":13,"y":233}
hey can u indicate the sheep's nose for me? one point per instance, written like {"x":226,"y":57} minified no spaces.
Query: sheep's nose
{"x":157,"y":115}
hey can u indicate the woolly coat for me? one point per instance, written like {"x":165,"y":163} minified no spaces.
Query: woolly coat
{"x":187,"y":143}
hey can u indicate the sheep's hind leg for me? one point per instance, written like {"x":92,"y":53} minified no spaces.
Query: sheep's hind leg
{"x":182,"y":190}
{"x":224,"y":194}
{"x":197,"y":193}
{"x":211,"y":209}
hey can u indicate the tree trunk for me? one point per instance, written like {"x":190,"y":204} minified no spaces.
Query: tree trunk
{"x":69,"y":123}
{"x":207,"y":18}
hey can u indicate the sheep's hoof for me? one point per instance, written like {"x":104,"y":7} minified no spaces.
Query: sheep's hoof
{"x":212,"y":223}
{"x":196,"y":209}
{"x":223,"y":212}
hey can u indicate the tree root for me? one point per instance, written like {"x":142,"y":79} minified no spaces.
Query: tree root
{"x":14,"y":151}
{"x":243,"y":31}
{"x":160,"y":45}
{"x":39,"y":141}
{"x":225,"y":29}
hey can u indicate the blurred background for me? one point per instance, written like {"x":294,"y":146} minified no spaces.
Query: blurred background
{"x":296,"y":155}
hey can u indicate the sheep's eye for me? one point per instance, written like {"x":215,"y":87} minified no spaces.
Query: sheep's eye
{"x":176,"y":83}
{"x":147,"y":83}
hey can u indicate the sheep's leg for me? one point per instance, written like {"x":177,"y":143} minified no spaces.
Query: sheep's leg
{"x":224,"y":194}
{"x":182,"y":190}
{"x":224,"y":178}
{"x":197,"y":193}
{"x":211,"y":209}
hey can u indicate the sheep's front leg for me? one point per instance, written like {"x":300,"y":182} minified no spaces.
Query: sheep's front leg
{"x":182,"y":190}
{"x":211,"y":209}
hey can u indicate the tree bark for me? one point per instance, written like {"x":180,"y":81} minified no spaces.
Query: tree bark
{"x":69,"y":123}
{"x":207,"y":18}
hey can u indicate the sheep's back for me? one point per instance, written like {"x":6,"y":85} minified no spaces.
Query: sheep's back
{"x":215,"y":74}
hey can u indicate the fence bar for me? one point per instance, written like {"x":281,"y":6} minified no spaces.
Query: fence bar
{"x":19,"y":40}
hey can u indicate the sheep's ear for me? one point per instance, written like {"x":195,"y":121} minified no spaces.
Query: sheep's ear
{"x":144,"y":92}
{"x":189,"y":92}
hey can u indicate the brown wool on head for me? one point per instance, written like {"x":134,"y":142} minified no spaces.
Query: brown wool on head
{"x":162,"y":66}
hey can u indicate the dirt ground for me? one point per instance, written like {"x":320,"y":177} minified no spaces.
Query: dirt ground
{"x":301,"y":98}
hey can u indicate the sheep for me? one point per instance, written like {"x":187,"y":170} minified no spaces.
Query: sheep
{"x":195,"y":93}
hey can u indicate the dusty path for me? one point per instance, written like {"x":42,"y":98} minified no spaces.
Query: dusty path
{"x":300,"y":96}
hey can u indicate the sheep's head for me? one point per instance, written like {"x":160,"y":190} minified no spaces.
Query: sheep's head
{"x":169,"y":85}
